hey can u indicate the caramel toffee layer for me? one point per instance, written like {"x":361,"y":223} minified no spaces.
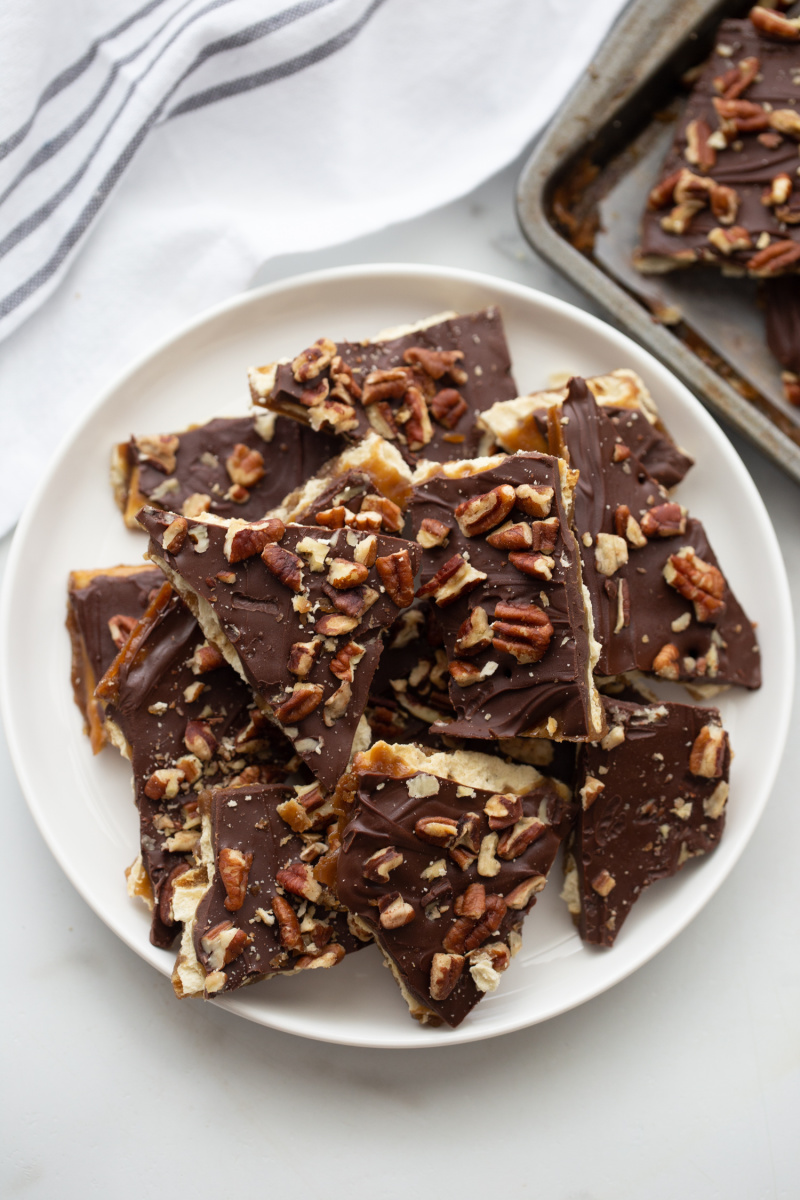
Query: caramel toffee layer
{"x":420,"y":390}
{"x":231,"y":466}
{"x":443,"y":885}
{"x":653,"y":795}
{"x":782,"y":298}
{"x":659,"y":599}
{"x":729,"y":192}
{"x":299,"y":616}
{"x":186,"y":721}
{"x":262,"y":913}
{"x":102,"y":608}
{"x":515,"y":631}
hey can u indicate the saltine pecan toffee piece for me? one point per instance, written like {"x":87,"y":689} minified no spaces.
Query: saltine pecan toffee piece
{"x":728,"y":193}
{"x":522,"y":424}
{"x":252,"y":909}
{"x":503,"y":570}
{"x":185,"y":721}
{"x":371,"y":476}
{"x":102,"y":608}
{"x":441,"y":858}
{"x":297,"y":610}
{"x":782,"y":313}
{"x":418,"y":386}
{"x":232,"y":466}
{"x":661,"y":603}
{"x":652,"y":795}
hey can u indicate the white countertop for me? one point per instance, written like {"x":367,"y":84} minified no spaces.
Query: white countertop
{"x":682,"y":1081}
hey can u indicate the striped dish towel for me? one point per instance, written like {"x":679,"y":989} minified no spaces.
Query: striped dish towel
{"x":153,"y":155}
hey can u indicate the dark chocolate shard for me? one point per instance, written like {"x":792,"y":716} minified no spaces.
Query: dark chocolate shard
{"x":727,"y":193}
{"x":252,"y":908}
{"x":653,"y":795}
{"x":442,"y":857}
{"x":522,"y":424}
{"x":231,"y":466}
{"x":503,"y":570}
{"x":660,"y":602}
{"x":186,"y":721}
{"x":298,"y":616}
{"x":102,"y":607}
{"x":419,"y":387}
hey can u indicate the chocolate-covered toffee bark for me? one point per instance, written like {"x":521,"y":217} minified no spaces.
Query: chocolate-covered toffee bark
{"x":419,"y":387}
{"x":252,"y":908}
{"x":503,"y":570}
{"x":729,"y":194}
{"x":782,"y":307}
{"x":102,"y":608}
{"x":653,"y":795}
{"x":442,"y":857}
{"x":297,"y":611}
{"x":231,"y":466}
{"x":522,"y":424}
{"x":186,"y":721}
{"x":660,"y":600}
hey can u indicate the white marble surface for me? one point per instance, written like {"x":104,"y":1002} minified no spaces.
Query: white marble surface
{"x":683,"y":1081}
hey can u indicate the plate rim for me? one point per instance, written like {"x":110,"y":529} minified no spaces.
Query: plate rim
{"x":416,"y":1038}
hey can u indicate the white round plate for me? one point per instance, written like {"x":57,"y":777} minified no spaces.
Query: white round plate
{"x":83,"y":804}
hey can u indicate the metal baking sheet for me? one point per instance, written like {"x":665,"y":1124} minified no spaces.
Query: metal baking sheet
{"x":580,"y":201}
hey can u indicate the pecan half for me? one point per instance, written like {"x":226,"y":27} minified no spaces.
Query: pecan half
{"x":515,"y":841}
{"x":742,"y":115}
{"x":664,"y":520}
{"x":288,"y":924}
{"x":397,"y":576}
{"x":437,"y":363}
{"x":448,"y":407}
{"x":305,"y":697}
{"x":245,"y":466}
{"x":707,"y":757}
{"x":479,"y":514}
{"x":433,"y":533}
{"x":697,"y":581}
{"x":312,"y":362}
{"x":446,"y":971}
{"x":474,"y":634}
{"x":386,"y":385}
{"x":285,"y":566}
{"x":775,"y":25}
{"x":774,"y":258}
{"x":454,"y":579}
{"x":522,"y":630}
{"x":234,"y":869}
{"x":472,"y":902}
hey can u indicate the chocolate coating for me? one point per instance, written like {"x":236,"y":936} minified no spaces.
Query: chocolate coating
{"x":152,"y":713}
{"x":383,"y":815}
{"x":748,"y":169}
{"x":245,"y":819}
{"x":258,"y":617}
{"x":291,"y":455}
{"x":481,"y":339}
{"x":517,"y":697}
{"x":652,"y":814}
{"x":782,"y":297}
{"x":605,"y":484}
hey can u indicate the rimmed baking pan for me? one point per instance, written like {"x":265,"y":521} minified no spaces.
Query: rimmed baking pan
{"x":580,"y":201}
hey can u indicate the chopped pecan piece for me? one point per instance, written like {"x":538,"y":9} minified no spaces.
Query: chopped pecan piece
{"x":472,"y":902}
{"x":336,"y":705}
{"x":729,"y":240}
{"x":304,"y":698}
{"x":437,"y":363}
{"x":245,"y":466}
{"x":164,"y":783}
{"x":474,"y":634}
{"x":302,"y":657}
{"x":515,"y":841}
{"x":538,"y":566}
{"x":707,"y":757}
{"x":245,"y":541}
{"x":335,"y":624}
{"x":439,"y":831}
{"x":522,"y":894}
{"x":312,"y":362}
{"x":774,"y":258}
{"x":223,"y":944}
{"x":347,"y":658}
{"x":534,"y":499}
{"x":366,"y":551}
{"x":666,"y":662}
{"x":386,"y":385}
{"x":433,"y":533}
{"x":397,"y":576}
{"x":446,"y":971}
{"x":448,"y":407}
{"x":737,"y":80}
{"x":298,"y":878}
{"x":465,"y":674}
{"x":414,"y":415}
{"x":199,"y":740}
{"x":662,"y":194}
{"x":522,"y":630}
{"x":380,"y":864}
{"x":786,"y":121}
{"x":159,"y":451}
{"x":479,"y":514}
{"x":545,"y":535}
{"x":121,"y":627}
{"x":698,"y":151}
{"x":394,"y":911}
{"x":775,"y":25}
{"x":628,"y":527}
{"x":284,"y":565}
{"x":175,"y":535}
{"x":697,"y":581}
{"x":391,"y":514}
{"x":334,"y":518}
{"x":234,"y":869}
{"x":343,"y":574}
{"x":206,"y":658}
{"x":454,"y":579}
{"x":512,"y":537}
{"x":503,"y":811}
{"x":288,"y":924}
{"x":611,"y":553}
{"x":778,"y":192}
{"x":664,"y":520}
{"x":603,"y":883}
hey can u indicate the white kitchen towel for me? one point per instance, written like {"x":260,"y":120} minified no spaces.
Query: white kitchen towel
{"x":152,"y":157}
